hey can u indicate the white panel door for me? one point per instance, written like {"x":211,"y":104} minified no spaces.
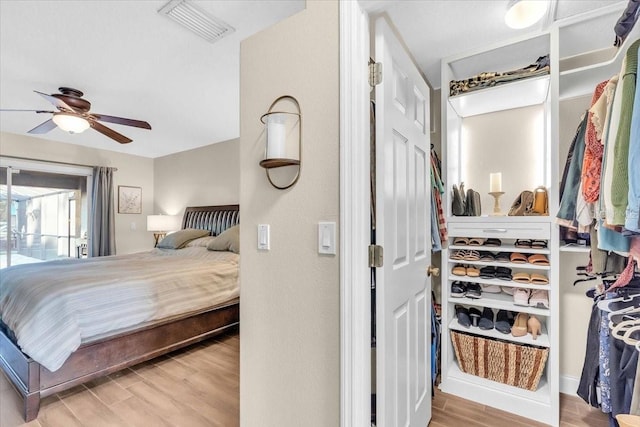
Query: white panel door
{"x":403,"y":223}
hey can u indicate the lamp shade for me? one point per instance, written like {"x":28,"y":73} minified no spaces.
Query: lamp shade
{"x":524,"y":13}
{"x":70,"y":123}
{"x":163,"y":222}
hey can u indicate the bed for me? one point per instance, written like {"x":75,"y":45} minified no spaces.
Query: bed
{"x":127,"y":345}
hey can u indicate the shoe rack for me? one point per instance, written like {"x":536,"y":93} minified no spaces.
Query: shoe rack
{"x":514,"y":129}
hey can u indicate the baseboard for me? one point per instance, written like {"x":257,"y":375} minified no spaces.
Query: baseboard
{"x":569,"y":385}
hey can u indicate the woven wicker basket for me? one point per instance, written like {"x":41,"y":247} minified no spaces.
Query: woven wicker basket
{"x":504,"y":362}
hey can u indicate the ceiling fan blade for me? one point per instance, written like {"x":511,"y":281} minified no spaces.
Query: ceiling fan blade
{"x":122,"y":121}
{"x":56,"y":101}
{"x":43,"y":127}
{"x":109,"y":132}
{"x":30,"y":111}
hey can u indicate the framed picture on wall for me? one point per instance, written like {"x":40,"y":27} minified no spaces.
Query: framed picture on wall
{"x":129,"y":200}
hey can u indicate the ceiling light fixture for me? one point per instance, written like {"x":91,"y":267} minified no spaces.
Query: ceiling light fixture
{"x":197,"y":20}
{"x":524,"y":13}
{"x":70,"y":123}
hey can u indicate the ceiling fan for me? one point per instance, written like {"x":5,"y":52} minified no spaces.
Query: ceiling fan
{"x":73,"y":116}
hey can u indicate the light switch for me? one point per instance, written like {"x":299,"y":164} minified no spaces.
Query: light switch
{"x":327,"y":238}
{"x":264,"y":241}
{"x":133,"y":226}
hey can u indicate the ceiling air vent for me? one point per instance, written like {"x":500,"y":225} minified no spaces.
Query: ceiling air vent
{"x":197,"y":20}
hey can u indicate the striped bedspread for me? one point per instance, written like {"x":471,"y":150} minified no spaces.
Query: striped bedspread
{"x":55,"y":306}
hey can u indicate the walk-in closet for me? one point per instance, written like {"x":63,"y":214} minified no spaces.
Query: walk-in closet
{"x":517,"y":280}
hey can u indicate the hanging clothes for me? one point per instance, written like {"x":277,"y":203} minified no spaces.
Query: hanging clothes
{"x":439,"y":233}
{"x":632,"y":221}
{"x":572,"y":177}
{"x":620,"y":178}
{"x":592,"y":163}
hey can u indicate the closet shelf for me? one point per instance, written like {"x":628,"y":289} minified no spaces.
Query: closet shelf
{"x":600,"y":65}
{"x":542,"y":341}
{"x":541,"y":395}
{"x":503,"y":248}
{"x":517,"y":94}
{"x":526,"y":266}
{"x":575,"y":248}
{"x":500,"y":301}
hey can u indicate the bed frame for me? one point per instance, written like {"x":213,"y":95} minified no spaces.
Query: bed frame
{"x":105,"y":356}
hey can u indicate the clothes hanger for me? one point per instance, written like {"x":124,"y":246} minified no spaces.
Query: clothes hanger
{"x":619,"y":331}
{"x":616,"y":319}
{"x":620,"y":305}
{"x":588,"y":279}
{"x":627,"y":335}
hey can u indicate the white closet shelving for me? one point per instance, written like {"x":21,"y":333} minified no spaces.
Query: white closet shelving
{"x":580,"y":56}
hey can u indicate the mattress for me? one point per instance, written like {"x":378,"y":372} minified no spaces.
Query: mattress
{"x":52,"y":308}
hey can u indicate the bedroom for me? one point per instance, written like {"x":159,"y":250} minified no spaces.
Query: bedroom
{"x":312,"y":296}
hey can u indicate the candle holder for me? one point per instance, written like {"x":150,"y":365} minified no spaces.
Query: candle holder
{"x":496,"y":205}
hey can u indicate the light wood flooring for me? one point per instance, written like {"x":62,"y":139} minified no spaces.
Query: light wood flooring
{"x":165,"y":392}
{"x":196,"y":386}
{"x":453,"y":411}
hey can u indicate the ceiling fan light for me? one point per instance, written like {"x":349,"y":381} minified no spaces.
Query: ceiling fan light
{"x":70,"y":123}
{"x":524,"y":13}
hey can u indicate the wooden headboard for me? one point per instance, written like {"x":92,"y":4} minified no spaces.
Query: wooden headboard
{"x":216,"y":219}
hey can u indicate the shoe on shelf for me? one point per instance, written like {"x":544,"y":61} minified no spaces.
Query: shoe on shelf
{"x":458,"y":289}
{"x":504,"y":320}
{"x":474,"y":291}
{"x":459,"y":270}
{"x":507,"y":289}
{"x":519,"y":328}
{"x":475,"y":316}
{"x":473,"y":271}
{"x":490,"y":289}
{"x":488,"y":272}
{"x":463,"y":316}
{"x":486,"y":321}
{"x":539,"y":298}
{"x":534,"y":327}
{"x":521,"y":296}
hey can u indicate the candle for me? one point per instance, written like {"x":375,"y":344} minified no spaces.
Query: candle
{"x":495,"y":182}
{"x":275,"y":136}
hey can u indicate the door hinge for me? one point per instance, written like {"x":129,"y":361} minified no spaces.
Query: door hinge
{"x":375,"y":256}
{"x":375,"y":73}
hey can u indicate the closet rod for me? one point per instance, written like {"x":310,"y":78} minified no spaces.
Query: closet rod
{"x":53,"y":161}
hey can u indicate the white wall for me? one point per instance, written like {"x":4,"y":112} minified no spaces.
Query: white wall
{"x":133,"y":171}
{"x":204,"y":176}
{"x":290,"y":311}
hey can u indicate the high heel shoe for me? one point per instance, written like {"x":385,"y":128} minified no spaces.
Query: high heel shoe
{"x":534,"y":327}
{"x":519,"y":328}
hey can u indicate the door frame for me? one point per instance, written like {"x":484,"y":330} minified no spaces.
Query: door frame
{"x":355,"y":289}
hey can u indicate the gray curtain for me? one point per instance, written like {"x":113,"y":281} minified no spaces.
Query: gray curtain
{"x":103,"y":238}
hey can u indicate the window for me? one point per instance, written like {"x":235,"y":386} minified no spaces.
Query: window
{"x":44,"y":211}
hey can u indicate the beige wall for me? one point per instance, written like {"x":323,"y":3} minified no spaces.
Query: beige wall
{"x":290,"y":311}
{"x":575,"y":308}
{"x":133,"y":171}
{"x":204,"y":176}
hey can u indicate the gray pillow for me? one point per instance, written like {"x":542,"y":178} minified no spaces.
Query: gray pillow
{"x":180,"y":238}
{"x":228,"y":240}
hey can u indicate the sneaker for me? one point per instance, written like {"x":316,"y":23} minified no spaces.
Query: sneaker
{"x":474,"y":290}
{"x":458,"y":289}
{"x":539,"y":298}
{"x":521,"y":296}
